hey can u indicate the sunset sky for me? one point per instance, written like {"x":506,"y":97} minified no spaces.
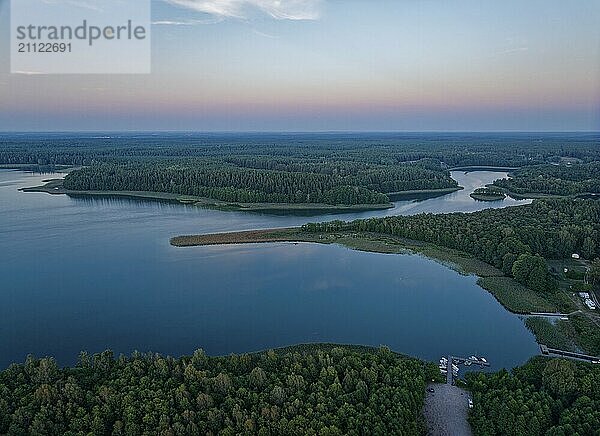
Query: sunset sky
{"x":355,"y":65}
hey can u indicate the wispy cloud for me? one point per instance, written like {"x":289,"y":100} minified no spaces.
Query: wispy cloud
{"x":513,"y":44}
{"x":264,"y":35}
{"x":278,"y":9}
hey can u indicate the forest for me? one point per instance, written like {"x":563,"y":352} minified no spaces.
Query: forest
{"x":554,"y":179}
{"x":553,"y":397}
{"x":311,"y":389}
{"x":306,"y":389}
{"x":454,"y":149}
{"x":301,"y":182}
{"x":516,"y":240}
{"x":334,"y":169}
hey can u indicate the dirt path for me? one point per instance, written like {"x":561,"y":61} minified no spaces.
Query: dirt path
{"x":446,"y":411}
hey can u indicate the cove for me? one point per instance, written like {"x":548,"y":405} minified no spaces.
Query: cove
{"x":99,"y":273}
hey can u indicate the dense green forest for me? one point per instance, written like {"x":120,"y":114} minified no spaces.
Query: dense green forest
{"x":310,"y":389}
{"x":553,"y":397}
{"x":320,"y":389}
{"x":334,"y":169}
{"x":554,"y":179}
{"x":300,"y":182}
{"x":517,"y":240}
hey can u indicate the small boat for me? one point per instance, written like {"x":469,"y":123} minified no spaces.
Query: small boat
{"x":468,"y":362}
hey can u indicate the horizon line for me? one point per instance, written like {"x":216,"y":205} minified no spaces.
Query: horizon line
{"x":187,"y":131}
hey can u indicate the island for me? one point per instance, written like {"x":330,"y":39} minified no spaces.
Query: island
{"x":488,"y":194}
{"x":57,"y":187}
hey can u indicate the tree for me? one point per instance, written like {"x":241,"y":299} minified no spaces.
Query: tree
{"x":559,"y":377}
{"x":531,"y":271}
{"x":589,"y":248}
{"x":299,"y":393}
{"x":595,"y":272}
{"x":508,"y":261}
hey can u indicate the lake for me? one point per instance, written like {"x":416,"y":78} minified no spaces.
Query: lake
{"x":99,"y":273}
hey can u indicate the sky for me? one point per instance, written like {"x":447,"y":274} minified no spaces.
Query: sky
{"x":334,"y":65}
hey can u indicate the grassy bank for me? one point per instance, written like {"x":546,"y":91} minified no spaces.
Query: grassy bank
{"x":552,"y":335}
{"x":362,"y":241}
{"x":56,"y":187}
{"x":516,"y":297}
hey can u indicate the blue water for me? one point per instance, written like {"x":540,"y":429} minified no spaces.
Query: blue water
{"x":96,"y":274}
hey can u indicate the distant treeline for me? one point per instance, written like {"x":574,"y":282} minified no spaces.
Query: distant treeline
{"x":308,"y":390}
{"x":516,"y":240}
{"x":509,"y":150}
{"x":303,"y":168}
{"x":554,"y":179}
{"x":544,"y":397}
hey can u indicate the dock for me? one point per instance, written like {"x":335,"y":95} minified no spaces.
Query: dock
{"x":547,"y":351}
{"x":449,"y":376}
{"x":458,"y":361}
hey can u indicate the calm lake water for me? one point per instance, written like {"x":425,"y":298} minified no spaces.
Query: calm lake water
{"x":96,"y":274}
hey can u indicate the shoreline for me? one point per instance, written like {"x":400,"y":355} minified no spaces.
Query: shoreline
{"x":472,"y":168}
{"x":483,"y":197}
{"x":490,"y":279}
{"x":55,"y":187}
{"x":542,"y":196}
{"x":422,"y":193}
{"x":511,"y":295}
